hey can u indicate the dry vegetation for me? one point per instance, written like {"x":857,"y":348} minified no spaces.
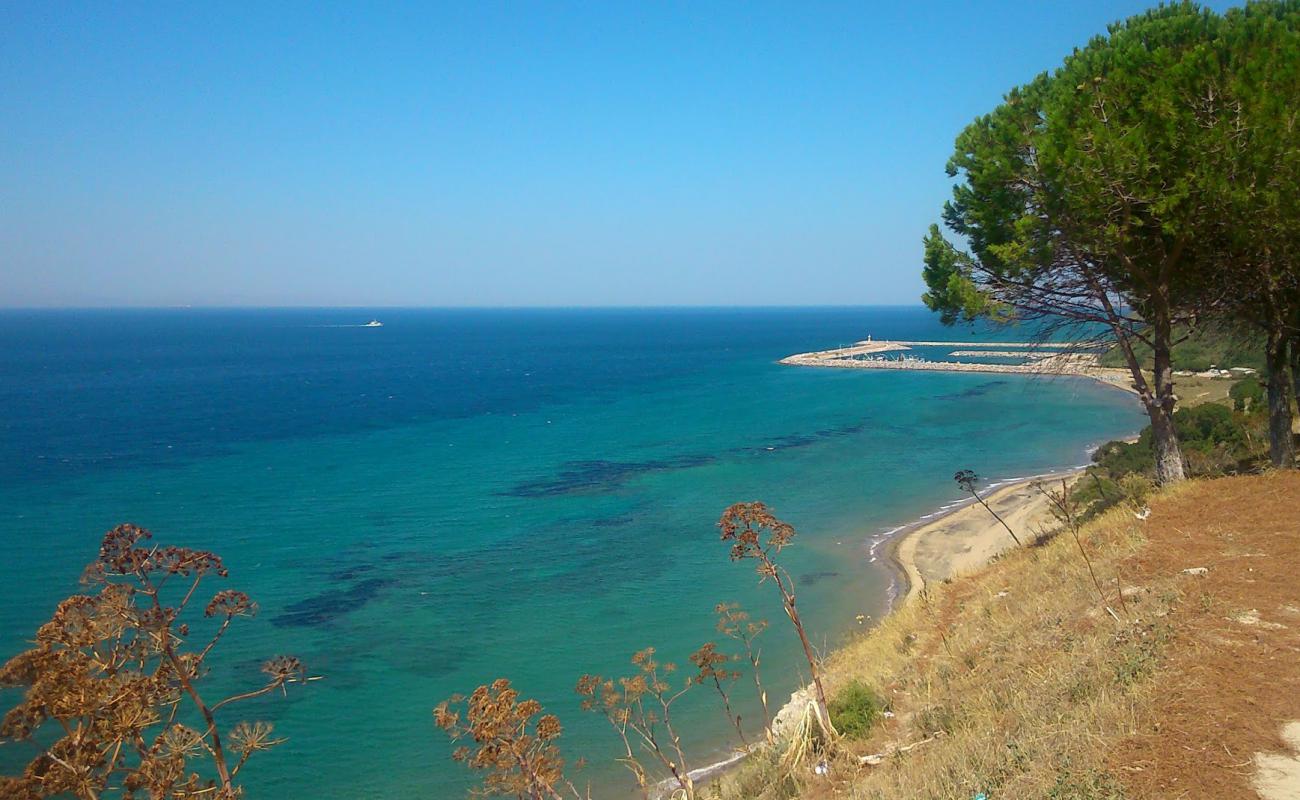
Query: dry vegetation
{"x":1019,"y":682}
{"x":114,"y":687}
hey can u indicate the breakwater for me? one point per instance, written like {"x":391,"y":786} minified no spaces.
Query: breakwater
{"x":1039,"y":361}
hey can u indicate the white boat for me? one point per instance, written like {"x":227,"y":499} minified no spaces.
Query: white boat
{"x":374,"y":323}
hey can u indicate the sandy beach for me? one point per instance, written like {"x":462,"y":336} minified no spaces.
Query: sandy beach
{"x":966,"y":537}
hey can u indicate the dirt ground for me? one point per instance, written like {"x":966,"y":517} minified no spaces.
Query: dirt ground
{"x":1231,"y":687}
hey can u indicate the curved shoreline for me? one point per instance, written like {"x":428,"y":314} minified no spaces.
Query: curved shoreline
{"x":1015,"y":499}
{"x":966,"y":536}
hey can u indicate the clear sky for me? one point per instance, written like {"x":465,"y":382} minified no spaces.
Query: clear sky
{"x":494,"y":153}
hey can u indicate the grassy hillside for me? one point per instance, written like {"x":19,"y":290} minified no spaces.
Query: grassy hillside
{"x":1031,"y":679}
{"x":1209,"y":346}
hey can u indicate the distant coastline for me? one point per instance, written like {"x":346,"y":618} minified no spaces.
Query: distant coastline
{"x":964,"y":538}
{"x":961,"y":536}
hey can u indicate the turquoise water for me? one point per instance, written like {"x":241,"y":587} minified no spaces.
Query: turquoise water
{"x":465,"y":495}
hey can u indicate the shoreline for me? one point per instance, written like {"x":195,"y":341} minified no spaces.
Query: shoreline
{"x":968,"y":524}
{"x":959,"y":536}
{"x":1015,"y":499}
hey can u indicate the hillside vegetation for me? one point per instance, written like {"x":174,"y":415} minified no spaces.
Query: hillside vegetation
{"x":1164,"y":677}
{"x":1204,"y":348}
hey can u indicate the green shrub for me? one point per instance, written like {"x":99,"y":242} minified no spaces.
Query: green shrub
{"x":1247,"y":395}
{"x":1208,"y":427}
{"x":1214,"y":441}
{"x":1121,"y":458}
{"x":1136,"y":488}
{"x":855,"y":709}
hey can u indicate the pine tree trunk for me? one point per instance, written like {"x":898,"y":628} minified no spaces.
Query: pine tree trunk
{"x":1160,"y":407}
{"x":1294,"y":346}
{"x":1281,"y":390}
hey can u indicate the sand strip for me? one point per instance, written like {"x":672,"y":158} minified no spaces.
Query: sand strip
{"x":967,"y":537}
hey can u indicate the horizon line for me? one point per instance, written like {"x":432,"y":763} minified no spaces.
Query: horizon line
{"x":593,"y":307}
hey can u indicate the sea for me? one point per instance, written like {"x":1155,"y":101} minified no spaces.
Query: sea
{"x":463,"y":495}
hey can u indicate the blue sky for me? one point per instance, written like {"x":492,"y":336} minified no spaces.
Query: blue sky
{"x":493,"y":153}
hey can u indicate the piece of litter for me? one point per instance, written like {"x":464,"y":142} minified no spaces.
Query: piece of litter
{"x":1196,"y":571}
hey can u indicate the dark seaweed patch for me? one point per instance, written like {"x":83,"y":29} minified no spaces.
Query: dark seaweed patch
{"x":596,"y":476}
{"x":329,"y":606}
{"x":812,"y":578}
{"x":601,"y":476}
{"x":351,"y":573}
{"x":426,"y":659}
{"x":379,"y":519}
{"x":804,"y":439}
{"x":974,"y":391}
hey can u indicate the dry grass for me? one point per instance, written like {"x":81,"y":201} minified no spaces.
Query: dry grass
{"x":1035,"y":689}
{"x":1193,"y":390}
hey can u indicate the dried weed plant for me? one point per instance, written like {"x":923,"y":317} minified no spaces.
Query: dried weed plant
{"x":967,"y":480}
{"x":639,"y":709}
{"x":755,"y":533}
{"x":113,"y":679}
{"x":713,"y":671}
{"x":735,"y":623}
{"x":519,"y":755}
{"x":1066,"y":510}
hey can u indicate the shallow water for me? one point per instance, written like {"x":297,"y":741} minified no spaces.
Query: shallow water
{"x":462,"y":495}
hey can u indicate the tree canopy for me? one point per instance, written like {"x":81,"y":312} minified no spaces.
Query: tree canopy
{"x":1112,"y":191}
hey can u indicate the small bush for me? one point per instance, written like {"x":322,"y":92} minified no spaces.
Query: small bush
{"x":938,"y":719}
{"x":1248,"y":396}
{"x":1121,"y":458}
{"x":855,"y":709}
{"x":1215,"y":441}
{"x":1136,"y":488}
{"x":761,"y":777}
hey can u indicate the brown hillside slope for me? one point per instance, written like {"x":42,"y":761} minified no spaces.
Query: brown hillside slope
{"x":1020,"y":681}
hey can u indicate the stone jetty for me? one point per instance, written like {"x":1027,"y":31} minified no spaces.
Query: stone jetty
{"x":870,"y":355}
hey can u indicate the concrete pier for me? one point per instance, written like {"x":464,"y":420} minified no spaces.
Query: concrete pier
{"x":868,"y":355}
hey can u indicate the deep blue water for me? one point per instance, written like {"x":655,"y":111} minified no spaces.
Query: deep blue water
{"x":463,"y":494}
